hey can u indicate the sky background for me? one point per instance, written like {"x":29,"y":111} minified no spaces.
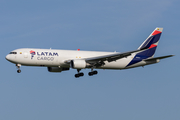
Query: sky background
{"x":149,"y":93}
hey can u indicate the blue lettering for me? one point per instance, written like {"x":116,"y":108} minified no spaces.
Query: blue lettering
{"x":50,"y":54}
{"x":42,"y":54}
{"x":38,"y":54}
{"x":55,"y":54}
{"x":45,"y":58}
{"x":46,"y":53}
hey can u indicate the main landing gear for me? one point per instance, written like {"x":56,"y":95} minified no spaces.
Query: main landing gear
{"x":79,"y":74}
{"x":92,"y":72}
{"x":18,"y":67}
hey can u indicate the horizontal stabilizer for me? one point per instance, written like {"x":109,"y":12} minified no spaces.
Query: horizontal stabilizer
{"x":162,"y":57}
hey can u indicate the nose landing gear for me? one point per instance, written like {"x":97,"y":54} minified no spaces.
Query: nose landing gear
{"x":18,"y":67}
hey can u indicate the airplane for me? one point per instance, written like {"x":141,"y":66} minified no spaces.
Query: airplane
{"x":62,"y":60}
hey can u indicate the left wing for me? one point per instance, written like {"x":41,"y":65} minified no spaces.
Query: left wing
{"x":99,"y":60}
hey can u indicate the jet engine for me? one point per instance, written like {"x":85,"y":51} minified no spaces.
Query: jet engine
{"x":148,"y":62}
{"x":78,"y":64}
{"x":56,"y":69}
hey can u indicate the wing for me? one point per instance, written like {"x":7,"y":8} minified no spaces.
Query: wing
{"x":158,"y":58}
{"x":99,"y":60}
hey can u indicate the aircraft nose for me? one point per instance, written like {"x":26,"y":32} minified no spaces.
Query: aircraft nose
{"x":7,"y":57}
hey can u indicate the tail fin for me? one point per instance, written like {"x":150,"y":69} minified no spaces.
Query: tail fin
{"x":148,"y":47}
{"x":152,"y":40}
{"x":150,"y":43}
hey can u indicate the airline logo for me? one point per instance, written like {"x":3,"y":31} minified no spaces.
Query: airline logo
{"x":32,"y":53}
{"x":49,"y":56}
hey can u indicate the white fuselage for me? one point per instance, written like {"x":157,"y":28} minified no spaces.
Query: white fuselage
{"x":57,"y":58}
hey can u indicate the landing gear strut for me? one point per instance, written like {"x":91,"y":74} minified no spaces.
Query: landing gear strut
{"x":18,"y":67}
{"x":79,"y":74}
{"x":92,"y":72}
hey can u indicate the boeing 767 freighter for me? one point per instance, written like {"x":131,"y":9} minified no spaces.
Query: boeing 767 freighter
{"x":62,"y":60}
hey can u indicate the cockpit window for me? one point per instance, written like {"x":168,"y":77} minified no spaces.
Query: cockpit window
{"x":13,"y":53}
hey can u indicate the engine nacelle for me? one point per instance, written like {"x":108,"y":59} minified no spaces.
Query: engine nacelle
{"x":78,"y":64}
{"x":152,"y":62}
{"x":56,"y":69}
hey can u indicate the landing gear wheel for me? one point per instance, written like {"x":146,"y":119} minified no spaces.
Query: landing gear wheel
{"x":77,"y":75}
{"x":18,"y":71}
{"x":90,"y":73}
{"x":95,"y":72}
{"x":81,"y":74}
{"x":18,"y":67}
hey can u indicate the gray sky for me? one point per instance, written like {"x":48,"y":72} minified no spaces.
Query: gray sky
{"x":147,"y":93}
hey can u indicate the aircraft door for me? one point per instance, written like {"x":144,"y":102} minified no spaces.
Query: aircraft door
{"x":25,"y":55}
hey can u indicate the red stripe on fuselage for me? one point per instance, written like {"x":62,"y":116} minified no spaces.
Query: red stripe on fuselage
{"x":156,"y":32}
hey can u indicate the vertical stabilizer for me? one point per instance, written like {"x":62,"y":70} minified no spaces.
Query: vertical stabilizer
{"x":152,"y":40}
{"x":148,"y":47}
